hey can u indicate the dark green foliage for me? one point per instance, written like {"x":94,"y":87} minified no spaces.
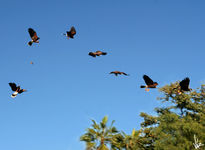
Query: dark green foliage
{"x":173,"y":128}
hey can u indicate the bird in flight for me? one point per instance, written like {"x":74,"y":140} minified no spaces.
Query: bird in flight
{"x":149,"y":83}
{"x":184,"y":85}
{"x":97,"y":53}
{"x":118,"y":73}
{"x":34,"y":37}
{"x":31,"y":63}
{"x":16,"y":89}
{"x":71,"y":33}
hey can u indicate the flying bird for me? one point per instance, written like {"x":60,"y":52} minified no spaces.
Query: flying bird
{"x":184,"y":85}
{"x":16,"y":89}
{"x":149,"y":83}
{"x":71,"y":33}
{"x":31,"y":63}
{"x":118,"y":73}
{"x":97,"y":53}
{"x":34,"y":37}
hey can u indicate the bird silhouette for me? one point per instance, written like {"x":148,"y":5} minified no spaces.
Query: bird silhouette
{"x":16,"y":89}
{"x":149,"y":83}
{"x":97,"y":53}
{"x":34,"y":37}
{"x":116,"y":73}
{"x":71,"y":33}
{"x":184,"y":85}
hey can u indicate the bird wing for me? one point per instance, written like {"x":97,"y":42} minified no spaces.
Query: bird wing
{"x":98,"y":52}
{"x":184,"y":84}
{"x":92,"y":54}
{"x":72,"y":31}
{"x":124,"y":73}
{"x":147,"y":80}
{"x":13,"y":86}
{"x":31,"y":32}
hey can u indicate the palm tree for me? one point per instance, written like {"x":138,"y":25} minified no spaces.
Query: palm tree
{"x":99,"y":136}
{"x":123,"y":141}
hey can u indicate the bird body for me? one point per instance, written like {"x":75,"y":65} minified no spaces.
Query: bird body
{"x":34,"y":37}
{"x":97,"y":53}
{"x":71,"y":33}
{"x":149,"y":83}
{"x":16,"y":89}
{"x":184,"y":85}
{"x":116,"y":73}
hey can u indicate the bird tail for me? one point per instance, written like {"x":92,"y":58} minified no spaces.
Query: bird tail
{"x":142,"y":86}
{"x":30,"y":43}
{"x":14,"y":94}
{"x":104,"y":53}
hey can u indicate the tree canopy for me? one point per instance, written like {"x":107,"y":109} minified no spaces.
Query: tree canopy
{"x":179,"y":125}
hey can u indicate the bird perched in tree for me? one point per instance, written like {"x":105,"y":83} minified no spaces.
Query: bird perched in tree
{"x":97,"y":53}
{"x":33,"y":36}
{"x":16,"y":89}
{"x":71,"y":33}
{"x":118,"y":73}
{"x":184,"y":85}
{"x":149,"y":83}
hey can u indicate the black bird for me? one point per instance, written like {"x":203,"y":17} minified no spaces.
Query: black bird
{"x":16,"y":89}
{"x":34,"y":37}
{"x":71,"y":33}
{"x":149,"y":83}
{"x":97,"y":53}
{"x":184,"y":85}
{"x":118,"y":73}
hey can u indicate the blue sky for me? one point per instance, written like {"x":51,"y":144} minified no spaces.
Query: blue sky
{"x":67,"y":88}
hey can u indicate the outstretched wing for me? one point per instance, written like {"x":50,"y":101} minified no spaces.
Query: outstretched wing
{"x":124,"y":73}
{"x":147,"y":80}
{"x":184,"y":84}
{"x":33,"y":35}
{"x":92,"y":54}
{"x":72,"y":31}
{"x":31,"y":32}
{"x":13,"y":86}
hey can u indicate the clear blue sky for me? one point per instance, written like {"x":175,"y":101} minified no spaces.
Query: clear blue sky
{"x":67,"y":88}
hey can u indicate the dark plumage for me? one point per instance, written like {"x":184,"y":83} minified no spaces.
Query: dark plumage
{"x":71,"y":33}
{"x":13,"y":86}
{"x":149,"y":83}
{"x":118,"y":73}
{"x":33,"y":36}
{"x":97,"y":53}
{"x":184,"y":85}
{"x":16,"y":89}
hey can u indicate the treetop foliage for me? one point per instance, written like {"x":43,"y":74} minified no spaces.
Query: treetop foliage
{"x":173,"y":128}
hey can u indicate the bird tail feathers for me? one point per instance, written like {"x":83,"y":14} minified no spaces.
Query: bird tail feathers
{"x":142,"y":86}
